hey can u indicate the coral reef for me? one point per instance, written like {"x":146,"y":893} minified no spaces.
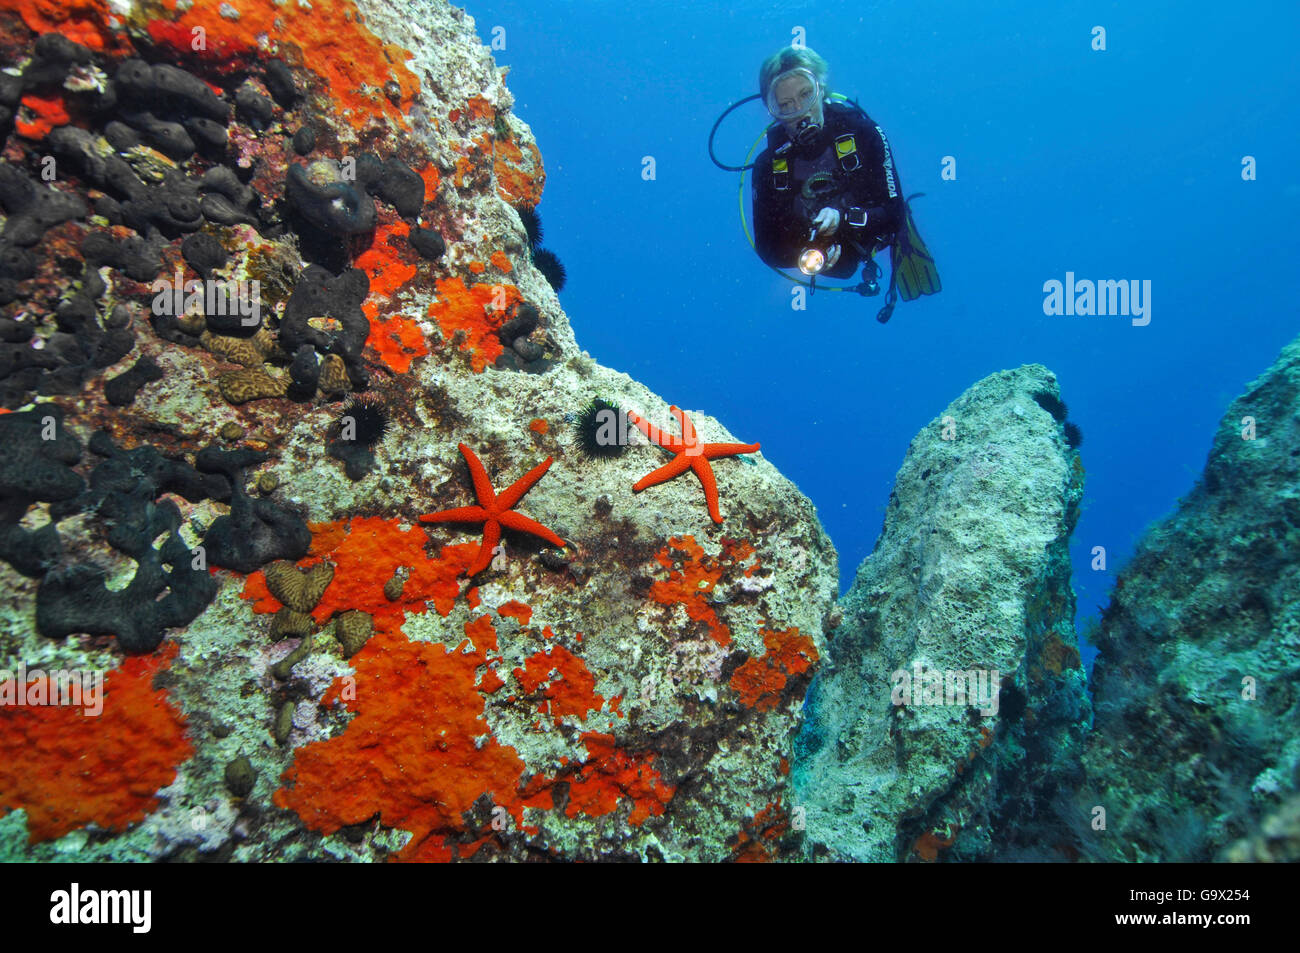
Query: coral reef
{"x":222,"y":267}
{"x":259,"y":298}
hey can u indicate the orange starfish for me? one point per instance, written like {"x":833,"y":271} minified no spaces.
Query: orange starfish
{"x":691,"y":455}
{"x":495,"y":511}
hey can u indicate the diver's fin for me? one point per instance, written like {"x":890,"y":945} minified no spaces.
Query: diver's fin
{"x":912,"y":263}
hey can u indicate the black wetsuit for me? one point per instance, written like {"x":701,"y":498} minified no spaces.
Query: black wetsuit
{"x":783,"y":217}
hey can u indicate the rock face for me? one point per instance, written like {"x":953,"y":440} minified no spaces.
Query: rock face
{"x":968,"y":582}
{"x":312,"y":675}
{"x":1196,"y":742}
{"x":1276,"y":839}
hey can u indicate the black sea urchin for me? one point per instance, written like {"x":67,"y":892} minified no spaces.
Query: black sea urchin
{"x":532,"y":224}
{"x":601,"y":430}
{"x":364,"y":421}
{"x":1073,"y":435}
{"x":360,"y":426}
{"x":1052,"y":404}
{"x":549,"y":265}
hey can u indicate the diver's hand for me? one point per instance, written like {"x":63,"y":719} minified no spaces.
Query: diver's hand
{"x":832,"y":255}
{"x":827,"y":221}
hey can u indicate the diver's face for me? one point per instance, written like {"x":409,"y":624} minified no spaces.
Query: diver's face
{"x":794,"y":95}
{"x":798,"y":102}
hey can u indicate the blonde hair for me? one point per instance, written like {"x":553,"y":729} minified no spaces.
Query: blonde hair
{"x":792,"y":57}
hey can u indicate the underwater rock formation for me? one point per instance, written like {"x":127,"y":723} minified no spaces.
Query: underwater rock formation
{"x":969,"y":580}
{"x":299,"y":667}
{"x":1276,"y":839}
{"x":1195,"y":743}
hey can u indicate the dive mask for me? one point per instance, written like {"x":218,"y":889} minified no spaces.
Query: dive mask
{"x":795,"y":98}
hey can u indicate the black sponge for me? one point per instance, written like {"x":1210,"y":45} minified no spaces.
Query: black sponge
{"x":123,"y":492}
{"x":279,"y":80}
{"x":428,"y":243}
{"x":204,"y":253}
{"x":401,"y":188}
{"x":337,"y":206}
{"x":253,"y":108}
{"x":169,"y":89}
{"x":33,"y":468}
{"x":318,"y":293}
{"x":304,"y":140}
{"x":256,"y":531}
{"x":121,"y":390}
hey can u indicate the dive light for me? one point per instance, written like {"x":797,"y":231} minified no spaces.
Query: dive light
{"x":812,"y":261}
{"x":813,"y":258}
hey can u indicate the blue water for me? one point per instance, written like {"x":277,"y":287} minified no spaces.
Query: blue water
{"x":1117,"y":164}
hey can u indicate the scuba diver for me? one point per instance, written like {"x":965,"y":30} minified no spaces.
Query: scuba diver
{"x":826,"y":195}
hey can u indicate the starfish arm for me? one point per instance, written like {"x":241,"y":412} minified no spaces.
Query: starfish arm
{"x":515,"y":493}
{"x":705,"y":473}
{"x":523,"y":524}
{"x":690,"y":439}
{"x":482,"y":485}
{"x":491,"y":536}
{"x":714,"y":450}
{"x":674,"y":467}
{"x":461,"y":514}
{"x":654,"y":434}
{"x":640,"y":423}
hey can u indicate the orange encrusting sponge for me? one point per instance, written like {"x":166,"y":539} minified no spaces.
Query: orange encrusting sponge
{"x":334,"y":43}
{"x":68,"y":769}
{"x":412,"y":754}
{"x":478,"y":311}
{"x":690,"y":586}
{"x":760,"y":681}
{"x":419,"y":752}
